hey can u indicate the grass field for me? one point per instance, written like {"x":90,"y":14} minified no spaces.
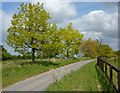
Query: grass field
{"x":112,"y":61}
{"x":84,"y":79}
{"x":88,"y":78}
{"x":117,"y":65}
{"x":18,"y":70}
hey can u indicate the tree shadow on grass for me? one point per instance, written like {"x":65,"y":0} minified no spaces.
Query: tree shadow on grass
{"x":44,"y":63}
{"x":104,"y":81}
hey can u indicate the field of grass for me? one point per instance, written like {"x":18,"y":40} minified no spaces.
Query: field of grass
{"x":104,"y":81}
{"x":84,"y":79}
{"x":117,"y":65}
{"x":17,"y":61}
{"x":113,"y":62}
{"x":18,"y":70}
{"x":88,"y":78}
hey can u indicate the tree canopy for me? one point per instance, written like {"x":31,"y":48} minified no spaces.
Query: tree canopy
{"x":72,"y":39}
{"x":28,"y":30}
{"x":5,"y":54}
{"x":117,"y":53}
{"x":31,"y":33}
{"x":93,"y":48}
{"x":90,"y":48}
{"x":105,"y":50}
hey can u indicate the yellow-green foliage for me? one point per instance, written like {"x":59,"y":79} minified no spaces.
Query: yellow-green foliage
{"x":52,"y":47}
{"x":90,"y":48}
{"x":105,"y":50}
{"x":29,"y":27}
{"x":31,"y":32}
{"x":72,"y":39}
{"x":117,"y":53}
{"x":4,"y":54}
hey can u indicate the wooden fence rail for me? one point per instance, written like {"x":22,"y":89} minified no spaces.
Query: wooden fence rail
{"x":103,"y":66}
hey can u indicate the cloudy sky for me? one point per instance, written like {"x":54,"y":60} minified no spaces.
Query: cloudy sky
{"x":95,"y":19}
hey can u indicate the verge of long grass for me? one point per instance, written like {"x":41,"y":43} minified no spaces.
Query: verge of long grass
{"x":84,"y":79}
{"x":116,"y":64}
{"x":113,"y":62}
{"x":104,"y":81}
{"x":14,"y":71}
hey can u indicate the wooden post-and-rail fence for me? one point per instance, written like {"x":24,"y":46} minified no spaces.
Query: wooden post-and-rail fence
{"x":100,"y":63}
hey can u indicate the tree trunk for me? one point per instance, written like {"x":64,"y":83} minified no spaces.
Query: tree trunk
{"x":56,"y":54}
{"x":33,"y":54}
{"x":67,"y":54}
{"x":67,"y":50}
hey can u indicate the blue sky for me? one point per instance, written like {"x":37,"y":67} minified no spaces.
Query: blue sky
{"x":85,"y":8}
{"x":94,"y":19}
{"x":81,"y":7}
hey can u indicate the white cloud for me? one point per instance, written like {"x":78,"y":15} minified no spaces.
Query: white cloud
{"x":98,"y":21}
{"x":6,"y":19}
{"x":59,"y":10}
{"x":0,"y":27}
{"x":99,"y":25}
{"x":92,"y":34}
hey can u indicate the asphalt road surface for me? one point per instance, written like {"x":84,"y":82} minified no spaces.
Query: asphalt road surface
{"x":42,"y":81}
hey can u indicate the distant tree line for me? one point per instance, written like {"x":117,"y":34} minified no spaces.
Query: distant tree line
{"x":94,"y":48}
{"x":5,"y":55}
{"x":90,"y":48}
{"x":117,"y":53}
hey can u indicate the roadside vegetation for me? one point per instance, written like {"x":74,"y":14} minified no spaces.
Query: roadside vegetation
{"x":84,"y":79}
{"x":14,"y":71}
{"x":104,"y":81}
{"x":42,"y":45}
{"x":88,"y":78}
{"x":115,"y":62}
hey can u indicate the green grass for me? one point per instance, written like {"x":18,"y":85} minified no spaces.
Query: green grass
{"x":88,"y":78}
{"x":84,"y":79}
{"x":104,"y":81}
{"x":18,"y":70}
{"x":112,"y":61}
{"x":17,"y":61}
{"x":117,"y":65}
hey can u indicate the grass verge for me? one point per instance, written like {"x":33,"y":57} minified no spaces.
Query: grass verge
{"x":84,"y":79}
{"x":15,"y":71}
{"x":113,"y":62}
{"x":117,"y":65}
{"x":104,"y":81}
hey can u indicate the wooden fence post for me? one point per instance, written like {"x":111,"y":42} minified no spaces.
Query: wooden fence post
{"x":118,"y":82}
{"x":98,"y":61}
{"x":115,"y":59}
{"x":102,"y":66}
{"x":111,"y":80}
{"x":105,"y":69}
